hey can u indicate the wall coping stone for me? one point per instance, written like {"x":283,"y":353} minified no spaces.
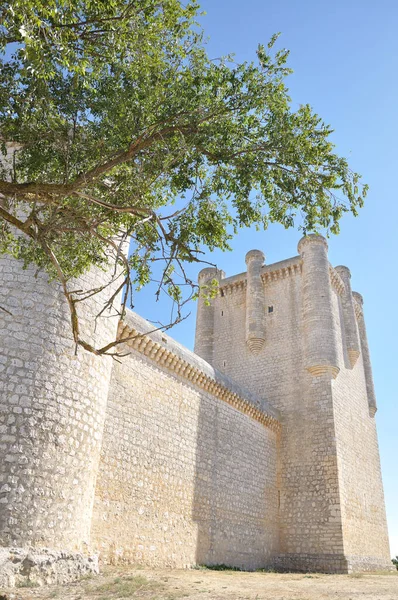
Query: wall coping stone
{"x":162,"y":349}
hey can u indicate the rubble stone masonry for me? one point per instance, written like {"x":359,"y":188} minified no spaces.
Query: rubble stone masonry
{"x":52,"y":411}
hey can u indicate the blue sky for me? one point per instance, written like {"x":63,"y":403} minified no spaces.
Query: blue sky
{"x":344,"y":56}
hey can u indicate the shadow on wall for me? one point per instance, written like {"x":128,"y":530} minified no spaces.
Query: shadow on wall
{"x":204,"y":510}
{"x":235,"y":493}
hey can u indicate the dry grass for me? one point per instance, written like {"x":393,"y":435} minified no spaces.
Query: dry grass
{"x":204,"y":584}
{"x":131,"y":586}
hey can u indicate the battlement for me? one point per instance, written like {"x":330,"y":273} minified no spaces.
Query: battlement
{"x":255,"y":289}
{"x":278,"y":270}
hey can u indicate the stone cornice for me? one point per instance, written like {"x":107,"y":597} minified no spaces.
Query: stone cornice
{"x":358,"y":309}
{"x":170,"y":355}
{"x":233,"y":286}
{"x":338,"y":284}
{"x":279,"y":270}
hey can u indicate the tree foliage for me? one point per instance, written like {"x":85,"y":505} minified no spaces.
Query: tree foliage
{"x":117,"y":124}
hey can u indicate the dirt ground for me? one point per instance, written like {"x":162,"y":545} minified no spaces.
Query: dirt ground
{"x":128,"y":583}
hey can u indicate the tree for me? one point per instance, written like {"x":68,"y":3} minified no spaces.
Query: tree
{"x":395,"y":562}
{"x":112,"y":112}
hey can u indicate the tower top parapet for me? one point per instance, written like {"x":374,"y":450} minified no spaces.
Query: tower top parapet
{"x":257,"y":255}
{"x":358,"y":298}
{"x":312,"y":238}
{"x":343,"y":271}
{"x":210,"y":273}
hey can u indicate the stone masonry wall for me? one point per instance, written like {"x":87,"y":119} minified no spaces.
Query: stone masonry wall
{"x":267,"y":457}
{"x":52,"y":411}
{"x":332,"y":514}
{"x":361,"y":490}
{"x":310,"y":527}
{"x":185,"y":477}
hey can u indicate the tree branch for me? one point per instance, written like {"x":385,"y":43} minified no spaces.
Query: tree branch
{"x":20,"y":225}
{"x":120,"y":157}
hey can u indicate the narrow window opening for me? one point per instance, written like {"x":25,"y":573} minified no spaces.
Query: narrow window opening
{"x":222,"y":313}
{"x":270,"y":309}
{"x":225,"y":363}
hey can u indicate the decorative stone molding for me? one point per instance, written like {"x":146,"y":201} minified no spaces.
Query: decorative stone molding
{"x":170,"y":355}
{"x":286,"y":268}
{"x":358,"y":302}
{"x":318,"y":370}
{"x":336,"y":281}
{"x":255,"y":344}
{"x":280,"y":270}
{"x":229,"y":288}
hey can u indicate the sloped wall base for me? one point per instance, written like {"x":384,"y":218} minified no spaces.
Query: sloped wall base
{"x":43,"y":566}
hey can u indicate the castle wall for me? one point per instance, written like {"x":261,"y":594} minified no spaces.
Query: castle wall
{"x":361,"y":490}
{"x":310,"y":524}
{"x":267,"y":457}
{"x":185,"y":476}
{"x":52,"y":410}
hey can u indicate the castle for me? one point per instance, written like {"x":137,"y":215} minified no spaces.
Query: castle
{"x":259,"y":450}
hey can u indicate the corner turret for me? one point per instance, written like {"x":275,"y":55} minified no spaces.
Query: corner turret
{"x":53,"y":409}
{"x":367,"y":365}
{"x":350,"y":325}
{"x":255,"y":302}
{"x":320,"y":336}
{"x":205,"y":314}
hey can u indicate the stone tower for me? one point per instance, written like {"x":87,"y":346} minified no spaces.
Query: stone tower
{"x":52,"y":409}
{"x":53,"y":404}
{"x":293,"y":333}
